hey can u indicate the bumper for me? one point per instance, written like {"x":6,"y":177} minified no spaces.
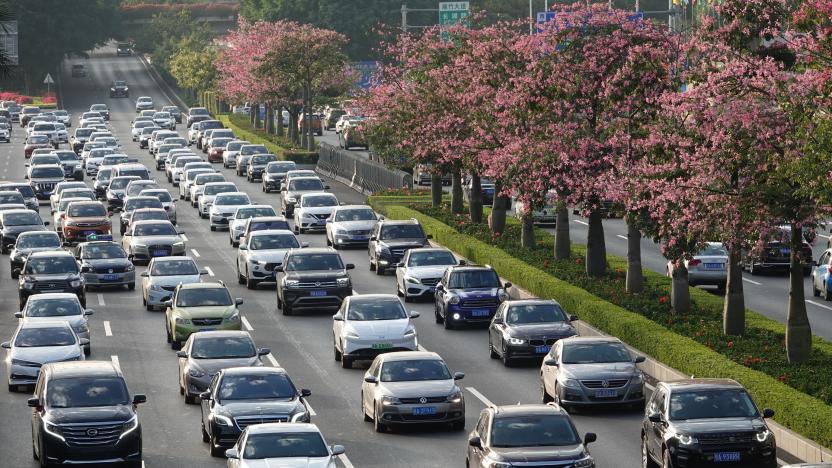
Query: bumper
{"x":346,"y":239}
{"x":110,"y":279}
{"x":628,"y":394}
{"x":23,"y":375}
{"x":272,"y":184}
{"x":712,"y":278}
{"x":255,"y":174}
{"x":182,"y":331}
{"x":303,"y":298}
{"x":196,"y":385}
{"x":260,"y":272}
{"x":369,"y":349}
{"x":125,"y":449}
{"x":403,"y":414}
{"x":142,"y":253}
{"x":467,"y":315}
{"x":756,"y":457}
{"x":78,"y":234}
{"x":220,"y":221}
{"x":157,"y":297}
{"x":225,"y":436}
{"x":115,"y":203}
{"x":312,"y":224}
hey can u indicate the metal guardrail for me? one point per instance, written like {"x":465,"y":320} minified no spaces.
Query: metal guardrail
{"x":359,"y":172}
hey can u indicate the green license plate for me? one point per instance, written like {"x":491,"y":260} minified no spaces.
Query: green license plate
{"x":382,"y":345}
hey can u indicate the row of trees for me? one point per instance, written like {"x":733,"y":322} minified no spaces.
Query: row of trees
{"x":591,"y":110}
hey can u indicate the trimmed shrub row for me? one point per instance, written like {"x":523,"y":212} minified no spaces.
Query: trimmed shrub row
{"x":243,"y":129}
{"x":794,"y":409}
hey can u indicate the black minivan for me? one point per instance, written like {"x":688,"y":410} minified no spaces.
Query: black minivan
{"x":82,"y":412}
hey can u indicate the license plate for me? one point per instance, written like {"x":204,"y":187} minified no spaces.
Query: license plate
{"x":110,"y":278}
{"x":89,"y":233}
{"x":433,"y":289}
{"x":713,"y":266}
{"x":159,"y":253}
{"x":382,"y":345}
{"x":359,"y":238}
{"x":541,"y":349}
{"x":424,"y":410}
{"x":783,"y":252}
{"x":208,"y":329}
{"x":321,"y":222}
{"x":317,"y":293}
{"x":727,"y":456}
{"x":606,"y":393}
{"x":480,"y":313}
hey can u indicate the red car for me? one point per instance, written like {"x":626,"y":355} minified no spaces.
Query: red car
{"x":217,"y":148}
{"x":34,"y":142}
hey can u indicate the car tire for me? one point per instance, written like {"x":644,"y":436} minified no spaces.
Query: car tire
{"x":240,"y":278}
{"x":205,"y":436}
{"x":546,"y":397}
{"x":367,"y":417}
{"x":447,"y":324}
{"x":131,"y":286}
{"x":251,"y":283}
{"x":646,"y":460}
{"x":826,"y":295}
{"x":379,"y":270}
{"x":458,"y":425}
{"x":492,"y":353}
{"x":87,"y":351}
{"x":287,"y":309}
{"x":505,"y":356}
{"x":213,"y":228}
{"x":378,"y":425}
{"x":14,"y":275}
{"x":436,"y":315}
{"x":751,"y":269}
{"x":190,"y":399}
{"x":215,"y":449}
{"x":336,"y":353}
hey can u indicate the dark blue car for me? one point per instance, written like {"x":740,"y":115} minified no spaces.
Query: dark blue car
{"x":468,"y":295}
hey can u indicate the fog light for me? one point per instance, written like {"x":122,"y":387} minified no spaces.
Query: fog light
{"x":340,"y":241}
{"x":456,"y":316}
{"x":383,"y":262}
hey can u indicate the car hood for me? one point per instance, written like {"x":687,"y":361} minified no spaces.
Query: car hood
{"x":212,"y":366}
{"x":369,"y":329}
{"x":174,"y":280}
{"x":316,"y":274}
{"x":702,"y":426}
{"x":45,"y":354}
{"x":298,"y":193}
{"x":156,"y":240}
{"x":354,"y":225}
{"x":270,"y":256}
{"x":420,"y":388}
{"x":226,"y":208}
{"x":205,"y":311}
{"x":289,"y":462}
{"x":548,"y":330}
{"x":426,"y":271}
{"x":258,"y":407}
{"x":612,"y":370}
{"x":403,"y":243}
{"x":28,"y":250}
{"x":478,"y":293}
{"x":107,"y":262}
{"x":105,"y":414}
{"x":538,"y":454}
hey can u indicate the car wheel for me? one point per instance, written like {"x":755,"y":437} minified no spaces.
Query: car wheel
{"x":336,"y":352}
{"x":205,"y":436}
{"x":367,"y":417}
{"x":493,"y":352}
{"x":447,"y":324}
{"x":646,"y":460}
{"x":215,"y":449}
{"x":547,"y":398}
{"x":815,"y":291}
{"x":251,"y":283}
{"x":240,"y":278}
{"x":131,"y":286}
{"x":436,"y":315}
{"x":507,"y":362}
{"x":346,"y":362}
{"x":826,"y":295}
{"x":14,"y":275}
{"x":87,"y":351}
{"x":751,"y":269}
{"x":287,"y":309}
{"x":372,"y":266}
{"x":213,"y":228}
{"x":190,"y":399}
{"x":458,"y":425}
{"x":378,"y":425}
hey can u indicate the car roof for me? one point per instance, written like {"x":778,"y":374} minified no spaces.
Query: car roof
{"x":373,"y":297}
{"x":44,"y":323}
{"x":354,"y":207}
{"x":248,"y":370}
{"x":172,"y":258}
{"x":89,"y":202}
{"x":152,"y":221}
{"x":266,"y":218}
{"x":272,"y":232}
{"x":206,"y":285}
{"x":399,"y":221}
{"x":312,"y":250}
{"x":590,"y":339}
{"x":55,"y":295}
{"x":283,"y":427}
{"x":528,"y":409}
{"x":409,"y":356}
{"x":222,"y":334}
{"x":51,"y":253}
{"x":520,"y":302}
{"x":19,"y":210}
{"x":95,"y":243}
{"x":455,"y":268}
{"x":76,"y":369}
{"x":703,"y":384}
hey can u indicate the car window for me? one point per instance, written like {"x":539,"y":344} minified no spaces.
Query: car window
{"x":272,"y":242}
{"x":533,"y":431}
{"x":222,"y":348}
{"x":310,"y":262}
{"x":535,"y":313}
{"x":11,"y":198}
{"x":414,"y":370}
{"x":717,"y":250}
{"x":203,"y":297}
{"x":38,"y":240}
{"x":708,"y":404}
{"x":53,"y":307}
{"x":102,"y":251}
{"x":266,"y":225}
{"x":47,"y":172}
{"x":216,"y":189}
{"x":232,"y":200}
{"x":174,"y":268}
{"x":430,"y":258}
{"x":51,"y":265}
{"x":465,"y":279}
{"x":355,"y":214}
{"x":134,"y":203}
{"x":374,"y":309}
{"x":45,"y":336}
{"x":401,"y":231}
{"x":318,"y":201}
{"x":86,"y":210}
{"x":256,"y":387}
{"x":599,"y":352}
{"x":154,"y":229}
{"x":245,"y":213}
{"x":152,"y":214}
{"x":21,"y":219}
{"x":284,"y":445}
{"x":305,"y":184}
{"x":79,"y":392}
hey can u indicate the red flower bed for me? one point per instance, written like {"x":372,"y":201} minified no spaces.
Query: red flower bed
{"x":18,"y":98}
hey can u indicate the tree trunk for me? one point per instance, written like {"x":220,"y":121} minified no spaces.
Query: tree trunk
{"x":436,"y":190}
{"x":251,"y":116}
{"x":475,"y":199}
{"x":527,"y":239}
{"x":256,"y":109}
{"x":563,"y":245}
{"x":497,"y":218}
{"x":269,"y":119}
{"x":733,"y":311}
{"x":679,"y":289}
{"x":278,"y":111}
{"x":798,"y":330}
{"x":457,"y":205}
{"x":293,"y":127}
{"x":310,"y":141}
{"x":596,"y":247}
{"x":635,"y":277}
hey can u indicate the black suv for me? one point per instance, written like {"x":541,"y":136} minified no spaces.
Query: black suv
{"x":542,"y":435}
{"x":119,"y":89}
{"x":705,"y":422}
{"x":315,"y":278}
{"x":390,"y":239}
{"x":241,"y":396}
{"x":53,"y":271}
{"x":83,"y":413}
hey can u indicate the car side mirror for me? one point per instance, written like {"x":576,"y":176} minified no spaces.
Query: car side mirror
{"x":475,"y":442}
{"x":371,"y":379}
{"x":139,"y":398}
{"x":243,"y":247}
{"x":507,"y":286}
{"x":89,"y":312}
{"x":462,"y":262}
{"x":373,"y":238}
{"x":205,"y":396}
{"x":167,"y":304}
{"x":337,"y":450}
{"x":459,"y":375}
{"x":18,"y":315}
{"x":338,"y":317}
{"x":46,"y":223}
{"x":238,"y":301}
{"x":85,"y":269}
{"x":33,"y":403}
{"x":329,"y":220}
{"x":232,"y":453}
{"x":497,"y":321}
{"x":278,"y":269}
{"x":83,"y":341}
{"x":439,"y":287}
{"x":182,"y":354}
{"x":551,"y":362}
{"x":768,"y":413}
{"x":305,"y":392}
{"x":180,"y":232}
{"x":6,"y":345}
{"x":429,"y":236}
{"x":640,"y":359}
{"x":203,"y":272}
{"x":573,"y":318}
{"x":326,"y":187}
{"x":144,"y":274}
{"x":350,"y":266}
{"x":590,"y":437}
{"x":263,"y":351}
{"x":655,"y":417}
{"x":304,"y":245}
{"x":414,"y":314}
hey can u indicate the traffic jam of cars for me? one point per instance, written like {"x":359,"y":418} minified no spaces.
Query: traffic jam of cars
{"x":252,"y":409}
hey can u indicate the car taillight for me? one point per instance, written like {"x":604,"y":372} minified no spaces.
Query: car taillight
{"x":694,"y":262}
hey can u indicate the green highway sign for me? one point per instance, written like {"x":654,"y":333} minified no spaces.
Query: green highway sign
{"x":451,"y":13}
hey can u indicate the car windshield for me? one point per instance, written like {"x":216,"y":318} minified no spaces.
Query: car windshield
{"x":274,"y":241}
{"x":83,"y":132}
{"x":121,"y":182}
{"x":215,"y":189}
{"x":162,"y":195}
{"x":103,"y":251}
{"x":309,"y":262}
{"x":98,"y":107}
{"x":81,"y":392}
{"x":264,"y":225}
{"x":232,"y":200}
{"x":67,"y":156}
{"x":58,"y":265}
{"x":104,"y":175}
{"x":222,"y":348}
{"x":414,"y":370}
{"x":211,"y":125}
{"x":53,"y":307}
{"x":134,"y":203}
{"x":203,"y":297}
{"x":47,"y":172}
{"x":713,"y":250}
{"x":101,"y":153}
{"x":401,"y":231}
{"x":46,"y":336}
{"x":198,"y":111}
{"x":305,"y":184}
{"x":136,"y":188}
{"x":220,"y":142}
{"x":280,"y":167}
{"x":174,"y":268}
{"x":253,"y":149}
{"x":375,"y":309}
{"x":535,"y":313}
{"x":317,"y":201}
{"x":469,"y":279}
{"x":180,"y":162}
{"x":284,"y":445}
{"x":161,"y":115}
{"x":711,"y":404}
{"x":533,"y":431}
{"x":86,"y":210}
{"x":149,"y":215}
{"x":38,"y":240}
{"x":430,"y":258}
{"x":192,"y":173}
{"x":11,"y":198}
{"x":154,"y":229}
{"x":25,"y":190}
{"x":245,"y":213}
{"x":209,"y":178}
{"x":595,"y":353}
{"x":256,"y":387}
{"x":137,"y":173}
{"x":21,"y":219}
{"x":262,"y":159}
{"x":113,"y":160}
{"x":357,"y":214}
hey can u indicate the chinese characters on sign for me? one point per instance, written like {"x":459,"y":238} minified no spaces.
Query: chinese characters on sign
{"x":452,"y":13}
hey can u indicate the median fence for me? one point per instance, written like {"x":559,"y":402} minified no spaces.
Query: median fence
{"x":359,"y":172}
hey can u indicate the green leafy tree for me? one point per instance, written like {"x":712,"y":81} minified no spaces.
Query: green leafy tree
{"x":194,"y":69}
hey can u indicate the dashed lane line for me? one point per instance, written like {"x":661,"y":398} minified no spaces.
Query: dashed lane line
{"x":581,"y":222}
{"x":818,"y":304}
{"x":184,"y":237}
{"x":101,"y":299}
{"x":345,"y":461}
{"x":115,"y":362}
{"x":107,"y":330}
{"x":210,"y":271}
{"x":480,"y":396}
{"x":196,"y":254}
{"x":246,"y":324}
{"x":621,"y":237}
{"x":272,"y":360}
{"x":752,"y":282}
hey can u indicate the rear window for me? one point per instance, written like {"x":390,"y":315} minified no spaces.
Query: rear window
{"x":47,"y":172}
{"x":253,"y":149}
{"x":141,"y":173}
{"x":211,"y":124}
{"x":264,"y":225}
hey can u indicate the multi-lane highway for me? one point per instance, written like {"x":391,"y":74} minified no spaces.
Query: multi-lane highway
{"x":123,"y":331}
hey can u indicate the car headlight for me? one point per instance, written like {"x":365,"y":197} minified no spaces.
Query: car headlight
{"x":181,"y":321}
{"x":53,"y":430}
{"x":502,"y":295}
{"x":300,"y":417}
{"x":637,"y":379}
{"x":235,"y":316}
{"x":75,"y":283}
{"x":453,"y":299}
{"x":571,"y":383}
{"x":130,"y":267}
{"x":352,"y":335}
{"x":155,"y":287}
{"x":763,"y":435}
{"x":686,"y":439}
{"x":28,"y":285}
{"x":179,"y":245}
{"x":410,"y":332}
{"x":455,"y":397}
{"x":82,"y":328}
{"x":194,"y":372}
{"x":291,"y":283}
{"x":516,"y":341}
{"x":112,"y":89}
{"x":342,"y":282}
{"x":221,"y":420}
{"x":390,"y":400}
{"x":586,"y":462}
{"x":341,"y":232}
{"x":410,"y":279}
{"x":139,"y":246}
{"x":130,"y":426}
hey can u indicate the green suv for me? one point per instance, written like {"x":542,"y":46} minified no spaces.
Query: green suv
{"x":200,"y":307}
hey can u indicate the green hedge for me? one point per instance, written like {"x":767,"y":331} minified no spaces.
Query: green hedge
{"x":242,"y":128}
{"x":799,"y":412}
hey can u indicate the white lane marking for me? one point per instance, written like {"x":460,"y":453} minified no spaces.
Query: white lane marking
{"x":581,"y":222}
{"x":355,"y":293}
{"x":423,"y":349}
{"x":825,"y":237}
{"x":272,"y":360}
{"x":184,"y":237}
{"x":196,"y":254}
{"x":210,"y":271}
{"x":115,"y":361}
{"x":620,"y":236}
{"x":752,"y":281}
{"x":649,"y":386}
{"x":480,"y":396}
{"x":309,"y":407}
{"x":107,"y":330}
{"x":819,"y":304}
{"x":246,"y":325}
{"x":101,"y":299}
{"x":345,"y":461}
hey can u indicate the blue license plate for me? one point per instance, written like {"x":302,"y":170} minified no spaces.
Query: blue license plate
{"x":480,"y":313}
{"x":713,"y":266}
{"x":784,"y":252}
{"x":424,"y":410}
{"x":321,"y":222}
{"x":359,"y":238}
{"x":541,"y":349}
{"x":110,"y":278}
{"x":208,"y":329}
{"x":722,"y":457}
{"x":159,"y":253}
{"x":317,"y":293}
{"x":606,"y":393}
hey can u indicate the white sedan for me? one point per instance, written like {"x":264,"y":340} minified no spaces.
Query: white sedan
{"x":312,"y":211}
{"x":284,"y":445}
{"x":371,"y":324}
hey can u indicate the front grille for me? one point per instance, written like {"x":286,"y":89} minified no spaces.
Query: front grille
{"x":272,"y":266}
{"x":478,"y":303}
{"x":206,"y":322}
{"x":546,"y":341}
{"x":55,"y":285}
{"x":321,"y":216}
{"x":613,"y":383}
{"x":169,"y":288}
{"x":115,"y":269}
{"x":430,"y":281}
{"x":45,"y":186}
{"x":86,"y":225}
{"x":360,"y":233}
{"x":397,"y":253}
{"x":415,"y":401}
{"x":244,"y":421}
{"x":91,"y":435}
{"x":317,"y":284}
{"x":725,"y":440}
